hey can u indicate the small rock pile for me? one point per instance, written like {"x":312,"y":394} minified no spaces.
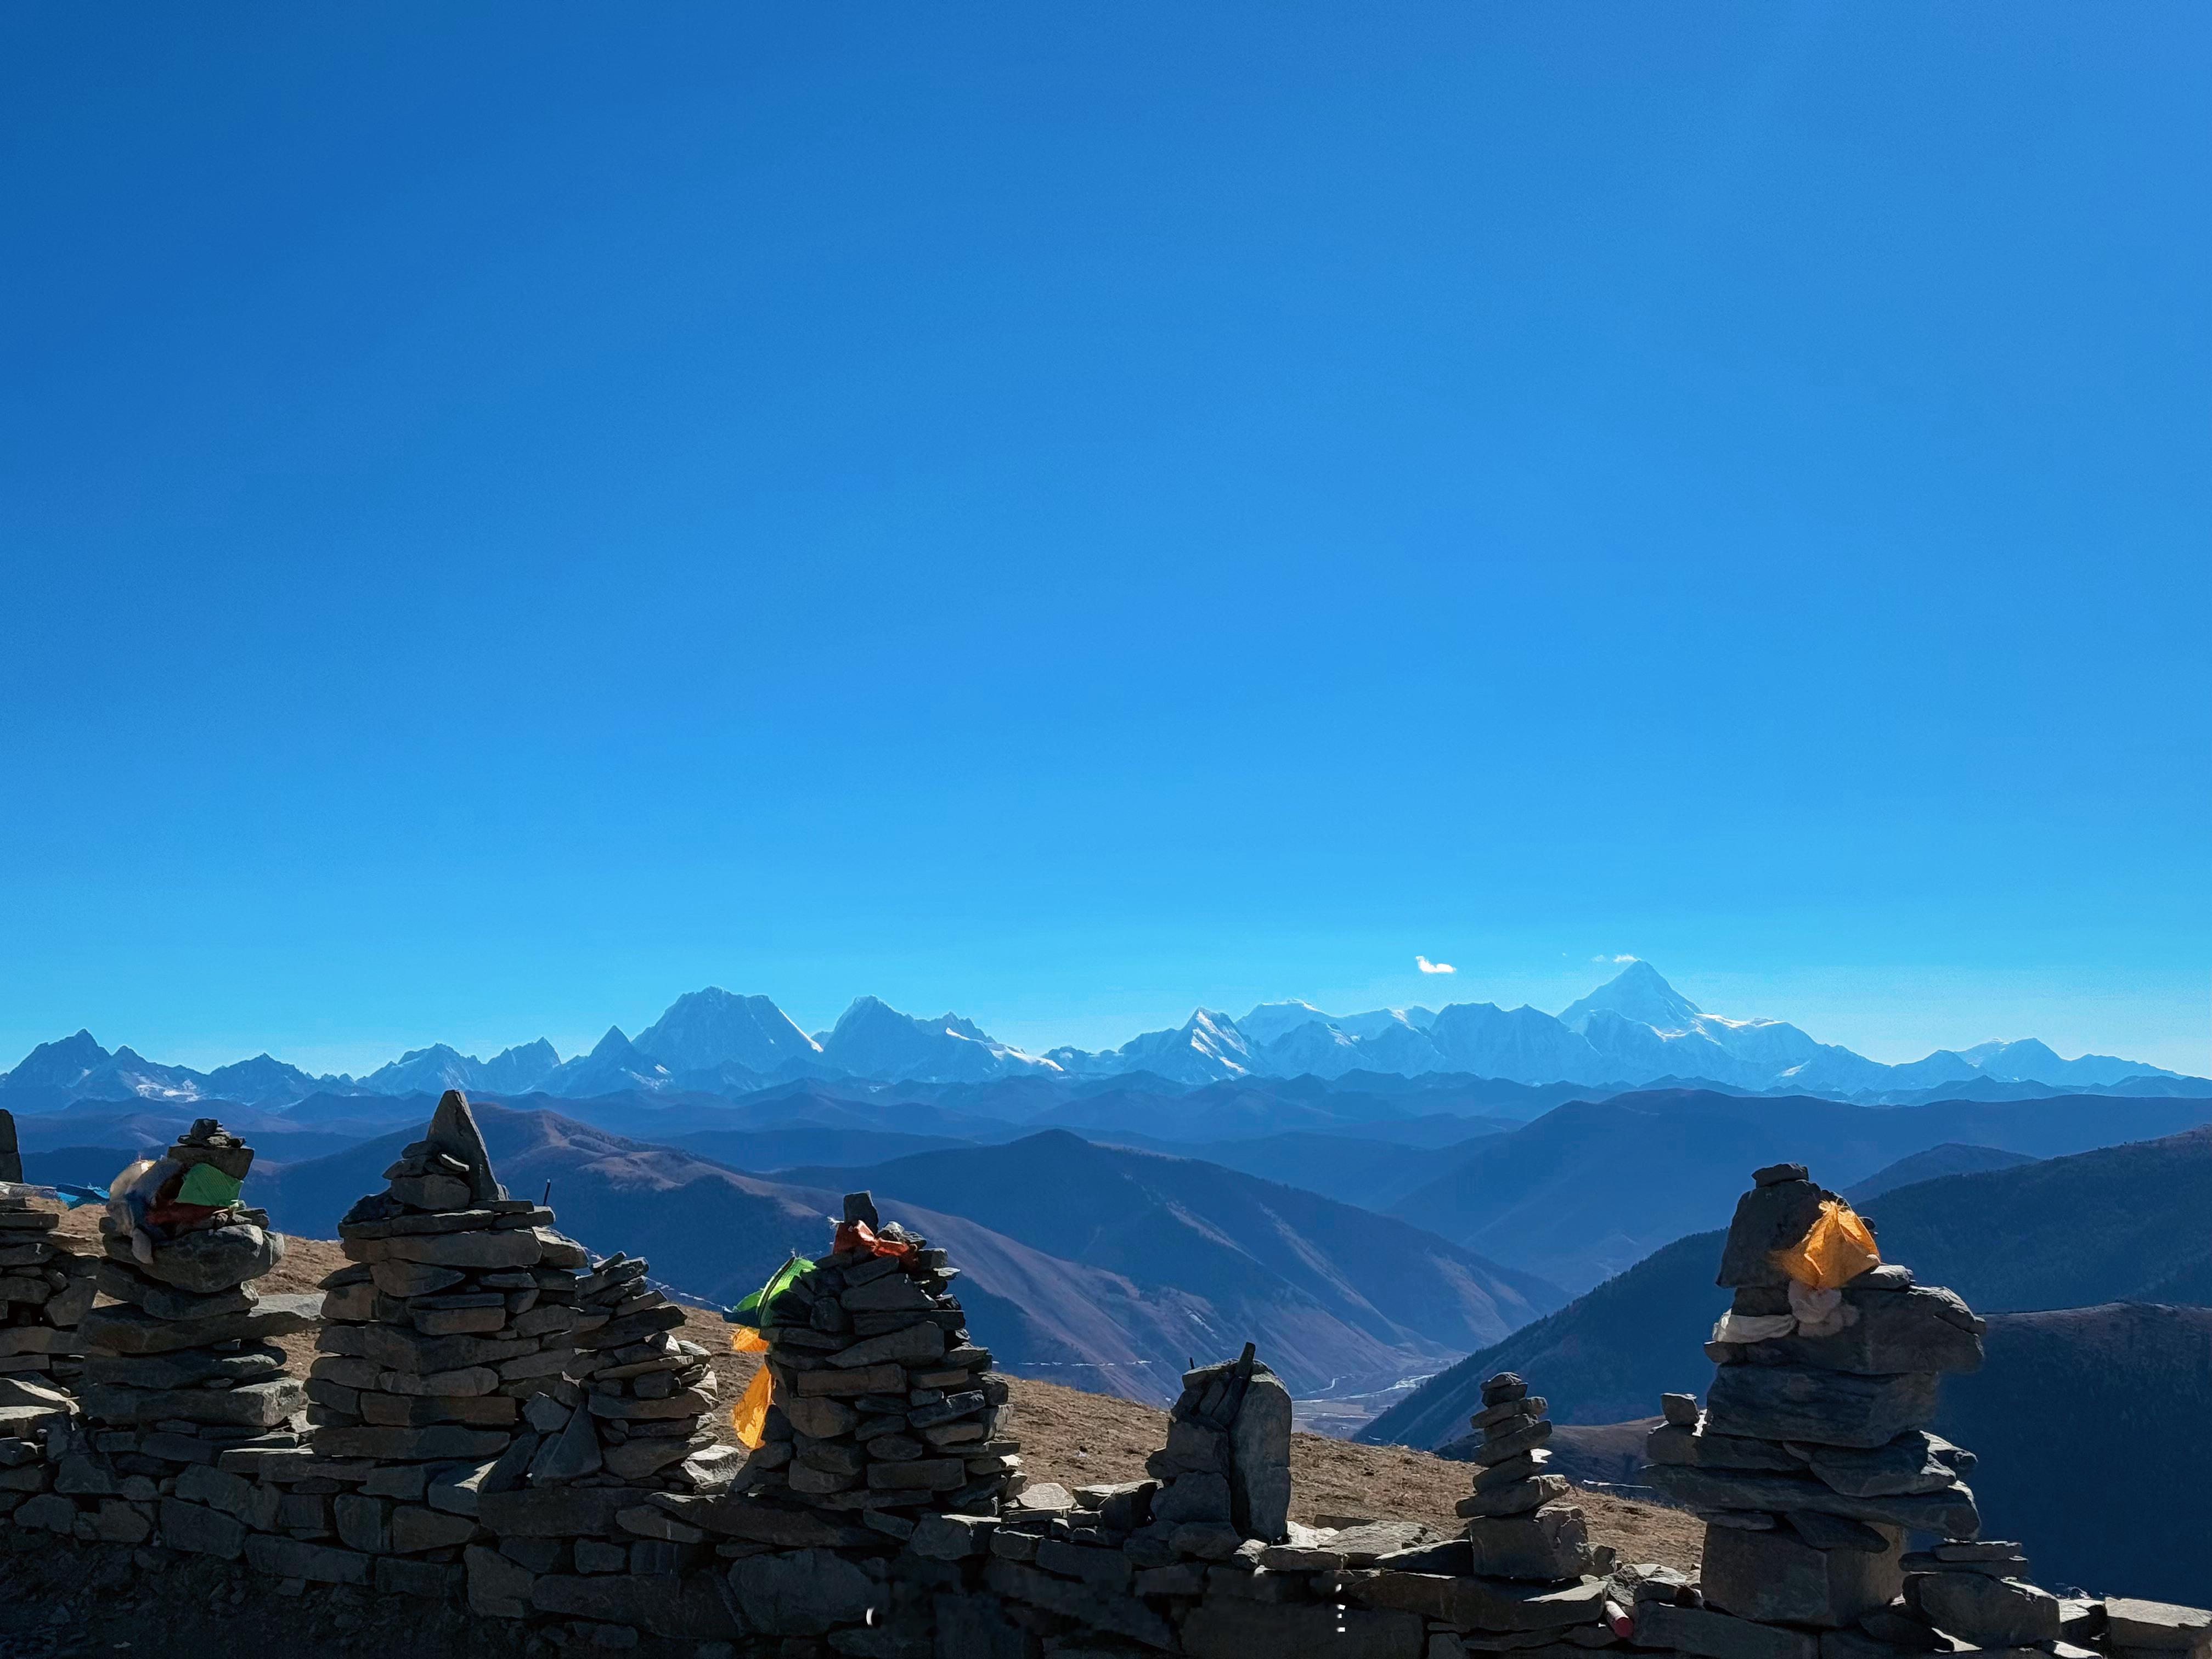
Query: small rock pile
{"x":45,"y":1288}
{"x":646,"y":1389}
{"x":1224,"y":1474}
{"x":179,"y":1367}
{"x":883,"y":1407}
{"x":445,"y":1346}
{"x":1812,"y":1457}
{"x":1517,"y":1528}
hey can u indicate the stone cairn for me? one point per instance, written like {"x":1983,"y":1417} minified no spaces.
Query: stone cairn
{"x":179,"y":1365}
{"x":645,"y":1390}
{"x":1812,"y":1461}
{"x":445,"y":1345}
{"x":883,"y":1409}
{"x":46,"y":1289}
{"x":1516,"y":1526}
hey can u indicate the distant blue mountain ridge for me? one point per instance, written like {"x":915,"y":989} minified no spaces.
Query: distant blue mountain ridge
{"x":1634,"y":1031}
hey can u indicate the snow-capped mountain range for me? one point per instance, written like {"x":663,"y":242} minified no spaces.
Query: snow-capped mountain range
{"x":1634,"y":1030}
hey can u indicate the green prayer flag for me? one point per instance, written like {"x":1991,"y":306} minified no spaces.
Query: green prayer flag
{"x":753,"y":1311}
{"x":205,"y":1184}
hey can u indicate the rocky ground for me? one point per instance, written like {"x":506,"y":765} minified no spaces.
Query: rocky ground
{"x":58,"y":1599}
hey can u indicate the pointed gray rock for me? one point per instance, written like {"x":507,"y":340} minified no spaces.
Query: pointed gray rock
{"x":568,"y":1455}
{"x":11,"y":1162}
{"x":454,"y":1131}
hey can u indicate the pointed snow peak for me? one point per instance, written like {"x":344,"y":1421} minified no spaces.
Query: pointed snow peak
{"x":1637,"y":992}
{"x":614,"y":1045}
{"x":702,"y":1030}
{"x":61,"y":1063}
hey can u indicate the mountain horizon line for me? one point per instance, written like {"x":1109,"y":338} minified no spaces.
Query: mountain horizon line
{"x":1634,"y":1030}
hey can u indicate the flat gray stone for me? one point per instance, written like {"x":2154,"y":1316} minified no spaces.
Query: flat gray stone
{"x":184,"y":1369}
{"x":1675,"y":1442}
{"x":122,"y":1329}
{"x":807,"y":1592}
{"x":1104,"y":1610}
{"x":1192,"y":1498}
{"x":1915,"y":1462}
{"x":290,"y":1558}
{"x":1225,"y":1628}
{"x":260,"y":1405}
{"x":1925,"y":1328}
{"x":1950,"y":1513}
{"x":1551,"y":1543}
{"x":555,"y":1511}
{"x":1826,"y":1408}
{"x":1711,"y":1635}
{"x":201,"y":1531}
{"x":216,"y":1259}
{"x":679,"y":1609}
{"x":2134,"y":1623}
{"x":1989,"y":1613}
{"x":431,"y":1442}
{"x":1775,"y":1578}
{"x":166,"y":1302}
{"x":1488,"y":1604}
{"x":520,"y":1247}
{"x":915,"y":1344}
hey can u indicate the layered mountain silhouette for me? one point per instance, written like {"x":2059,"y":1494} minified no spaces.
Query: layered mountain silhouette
{"x":1636,"y":1031}
{"x":1257,"y":1249}
{"x":1115,"y":1268}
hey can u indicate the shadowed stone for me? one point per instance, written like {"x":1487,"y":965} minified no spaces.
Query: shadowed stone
{"x":1818,"y":1407}
{"x":804,"y":1593}
{"x":217,"y":1259}
{"x":1776,"y":1579}
{"x":454,"y":1131}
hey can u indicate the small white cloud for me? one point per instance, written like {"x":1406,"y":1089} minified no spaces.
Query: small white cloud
{"x":1602,"y":957}
{"x":1428,"y":967}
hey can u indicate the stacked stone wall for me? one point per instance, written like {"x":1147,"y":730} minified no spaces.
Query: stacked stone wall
{"x":1839,"y":1528}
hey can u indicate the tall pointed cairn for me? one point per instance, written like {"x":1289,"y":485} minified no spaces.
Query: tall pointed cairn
{"x":1517,"y":1528}
{"x":446,"y":1345}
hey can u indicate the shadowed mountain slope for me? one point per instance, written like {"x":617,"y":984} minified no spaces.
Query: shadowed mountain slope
{"x":1593,"y":1187}
{"x":1274,"y":1256}
{"x":1371,"y":1173}
{"x":1127,"y":1326}
{"x":1949,"y":1160}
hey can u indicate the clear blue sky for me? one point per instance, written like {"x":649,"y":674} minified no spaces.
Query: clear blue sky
{"x":512,"y":512}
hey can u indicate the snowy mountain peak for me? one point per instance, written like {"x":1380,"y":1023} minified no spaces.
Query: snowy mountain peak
{"x":1637,"y":992}
{"x":61,"y":1064}
{"x":702,"y":1030}
{"x":615,"y":1046}
{"x":873,"y":1039}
